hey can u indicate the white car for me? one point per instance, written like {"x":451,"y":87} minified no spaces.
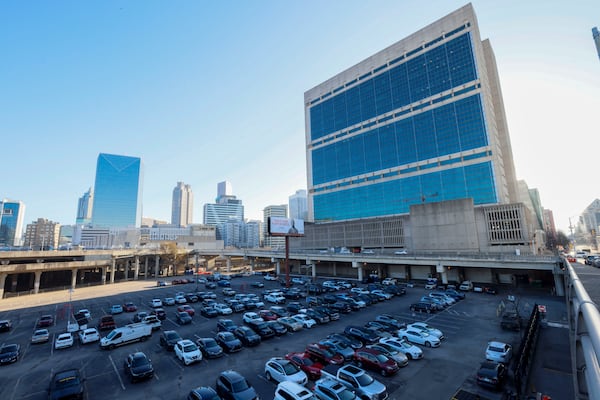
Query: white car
{"x":270,"y":278}
{"x":169,"y":301}
{"x":40,"y":336}
{"x":389,"y":281}
{"x":223,"y":309}
{"x":498,"y":352}
{"x":250,"y":317}
{"x":381,"y":293}
{"x":187,"y":352}
{"x":85,"y":312}
{"x":359,"y":290}
{"x":156,"y":303}
{"x":89,"y":335}
{"x":331,"y":285}
{"x":287,"y":390}
{"x":305,"y":320}
{"x":412,"y":352}
{"x":401,"y":252}
{"x":442,"y":296}
{"x":63,"y":341}
{"x":466,"y":286}
{"x":415,"y":335}
{"x":180,"y":300}
{"x":298,"y":281}
{"x":367,"y":252}
{"x":275,"y":298}
{"x":428,"y":328}
{"x":281,"y":370}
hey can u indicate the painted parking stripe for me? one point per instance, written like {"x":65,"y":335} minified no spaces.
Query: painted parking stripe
{"x":116,"y":372}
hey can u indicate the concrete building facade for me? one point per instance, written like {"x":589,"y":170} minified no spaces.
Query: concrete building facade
{"x":298,"y":205}
{"x":182,"y":210}
{"x":42,"y":234}
{"x":273,"y":211}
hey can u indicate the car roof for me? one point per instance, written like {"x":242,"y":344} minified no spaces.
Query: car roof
{"x":497,"y":344}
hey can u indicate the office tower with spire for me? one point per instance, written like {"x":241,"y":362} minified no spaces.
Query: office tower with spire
{"x":183,"y":205}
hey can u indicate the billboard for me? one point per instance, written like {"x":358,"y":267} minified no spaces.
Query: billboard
{"x":286,"y":226}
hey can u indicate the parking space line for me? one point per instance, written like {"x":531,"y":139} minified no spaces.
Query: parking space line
{"x":52,"y":346}
{"x":116,"y":372}
{"x":176,"y":362}
{"x":15,"y":388}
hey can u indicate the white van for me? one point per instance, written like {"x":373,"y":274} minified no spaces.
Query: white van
{"x":288,"y":390}
{"x":126,"y":334}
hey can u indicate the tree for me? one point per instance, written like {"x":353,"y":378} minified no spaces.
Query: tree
{"x":562,"y":240}
{"x":171,"y":256}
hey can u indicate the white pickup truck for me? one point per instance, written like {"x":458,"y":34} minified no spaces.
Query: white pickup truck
{"x":356,"y":380}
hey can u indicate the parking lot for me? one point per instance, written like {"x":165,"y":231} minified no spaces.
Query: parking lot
{"x":468,"y":326}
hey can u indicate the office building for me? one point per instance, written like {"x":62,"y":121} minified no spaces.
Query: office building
{"x":12,"y":214}
{"x":84,"y":208}
{"x":42,"y":234}
{"x":297,"y":203}
{"x":117,"y":192}
{"x":421,"y":121}
{"x":226,"y":209}
{"x":274,"y":242}
{"x":183,"y":205}
{"x":596,"y":36}
{"x":224,"y":189}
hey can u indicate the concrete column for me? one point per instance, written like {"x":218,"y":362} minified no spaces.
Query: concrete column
{"x":73,"y":277}
{"x":113,"y":270}
{"x":36,"y":282}
{"x":136,"y":270}
{"x":126,"y":269}
{"x":13,"y":282}
{"x":156,"y":266}
{"x":146,"y":268}
{"x":559,"y":284}
{"x":443,"y":271}
{"x":252,"y":265}
{"x":278,"y":267}
{"x":3,"y":276}
{"x":228,"y":264}
{"x":103,"y":269}
{"x":360,"y":273}
{"x":334,"y":268}
{"x":313,"y":268}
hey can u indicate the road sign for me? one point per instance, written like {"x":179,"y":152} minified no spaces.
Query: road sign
{"x":541,"y":308}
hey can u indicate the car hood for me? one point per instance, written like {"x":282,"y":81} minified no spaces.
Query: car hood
{"x":66,"y":392}
{"x":248,"y":394}
{"x":8,"y":354}
{"x":142,"y":369}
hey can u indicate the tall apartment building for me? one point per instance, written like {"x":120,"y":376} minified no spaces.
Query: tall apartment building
{"x":298,"y":205}
{"x":421,"y":121}
{"x":12,"y":214}
{"x":42,"y":234}
{"x":84,"y":208}
{"x":183,"y":205}
{"x":273,"y":211}
{"x":117,"y":192}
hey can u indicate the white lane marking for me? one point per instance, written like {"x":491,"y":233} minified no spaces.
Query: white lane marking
{"x":116,"y":372}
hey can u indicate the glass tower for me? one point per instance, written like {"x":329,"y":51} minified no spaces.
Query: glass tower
{"x":12,"y":215}
{"x":84,"y":208}
{"x":183,"y":205}
{"x":421,"y":121}
{"x":117,"y":192}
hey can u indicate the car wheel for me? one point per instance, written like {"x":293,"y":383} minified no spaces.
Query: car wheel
{"x":409,"y":356}
{"x":428,"y":311}
{"x":111,"y":347}
{"x":268,"y":375}
{"x":359,"y":364}
{"x":427,"y":344}
{"x":143,"y":339}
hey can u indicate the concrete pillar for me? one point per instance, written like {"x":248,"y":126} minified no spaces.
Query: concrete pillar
{"x":228,"y":264}
{"x":73,"y":277}
{"x":443,"y":271}
{"x":127,"y":269}
{"x":113,"y":270}
{"x":313,"y":268}
{"x":3,"y":276}
{"x":252,"y":265}
{"x":360,"y":273}
{"x":136,"y":270}
{"x":334,"y":268}
{"x":13,"y":282}
{"x":145,"y":267}
{"x":103,"y":269}
{"x":278,"y":267}
{"x":156,"y":266}
{"x":559,"y":284}
{"x":36,"y":282}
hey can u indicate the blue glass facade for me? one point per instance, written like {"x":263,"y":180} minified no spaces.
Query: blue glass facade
{"x":375,"y":139}
{"x":117,"y":192}
{"x":11,"y":223}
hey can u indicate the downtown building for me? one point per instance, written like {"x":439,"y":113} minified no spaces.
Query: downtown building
{"x":414,"y":135}
{"x":12,"y":215}
{"x":84,"y":208}
{"x":298,"y":205}
{"x":182,"y":210}
{"x":42,"y":234}
{"x":280,"y":211}
{"x":227,"y":215}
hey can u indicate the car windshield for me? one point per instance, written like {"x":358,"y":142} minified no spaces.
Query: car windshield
{"x":239,"y":386}
{"x":210,"y":343}
{"x":228,"y":336}
{"x":8,"y":348}
{"x":139,"y":361}
{"x":346,"y":395}
{"x":172,"y":335}
{"x":381,"y":358}
{"x":364,"y":380}
{"x":190,"y":347}
{"x":496,"y":349}
{"x":289,"y":368}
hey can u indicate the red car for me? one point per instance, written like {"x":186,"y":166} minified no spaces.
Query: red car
{"x":129,"y":307}
{"x":323,"y":355}
{"x":187,"y":309}
{"x":375,"y":360}
{"x":268,"y":315}
{"x":305,"y":363}
{"x":45,"y":321}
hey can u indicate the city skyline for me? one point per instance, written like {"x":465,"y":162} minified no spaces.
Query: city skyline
{"x":210,"y":105}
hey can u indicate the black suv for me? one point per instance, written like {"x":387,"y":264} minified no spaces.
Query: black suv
{"x":422,"y":307}
{"x":511,"y":321}
{"x":365,"y":335}
{"x":262,"y":329}
{"x":226,"y":325}
{"x":66,"y":385}
{"x":138,"y":367}
{"x":231,"y":385}
{"x":491,"y":374}
{"x":169,"y":339}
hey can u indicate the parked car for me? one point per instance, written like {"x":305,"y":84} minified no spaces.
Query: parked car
{"x":498,"y":352}
{"x":425,"y":327}
{"x":280,"y":370}
{"x":365,"y":335}
{"x":5,"y":325}
{"x":209,"y":347}
{"x":305,"y":320}
{"x":231,"y":385}
{"x":187,"y":309}
{"x":339,"y":347}
{"x":411,"y":351}
{"x":155,"y":303}
{"x":228,"y":341}
{"x":277,"y":327}
{"x":40,"y":336}
{"x":66,"y":384}
{"x":492,"y":374}
{"x":290,"y":323}
{"x":332,"y":389}
{"x":138,"y":317}
{"x":168,"y":301}
{"x":247,"y":336}
{"x":251,"y":316}
{"x":376,"y":361}
{"x":116,"y":309}
{"x":89,"y":335}
{"x":279,"y":311}
{"x":466,"y":286}
{"x":262,"y":329}
{"x":138,"y":367}
{"x":226,"y":325}
{"x":106,"y":323}
{"x":389,"y":320}
{"x":323,"y":354}
{"x":187,"y":352}
{"x":257,"y":284}
{"x":223,"y":309}
{"x":129,"y":307}
{"x":422,"y":307}
{"x":208,"y":312}
{"x":203,"y":393}
{"x":169,"y":339}
{"x":397,"y":356}
{"x":414,"y":335}
{"x":45,"y":321}
{"x":183,"y":318}
{"x":287,"y":390}
{"x":303,"y":361}
{"x":9,"y":353}
{"x":63,"y":340}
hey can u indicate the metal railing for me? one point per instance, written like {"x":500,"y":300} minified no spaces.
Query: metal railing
{"x":584,"y":334}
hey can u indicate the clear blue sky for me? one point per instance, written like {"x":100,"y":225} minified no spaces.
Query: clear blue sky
{"x":211,"y":91}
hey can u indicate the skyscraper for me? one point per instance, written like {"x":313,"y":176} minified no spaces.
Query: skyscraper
{"x":42,"y":234}
{"x":297,"y":203}
{"x":117,"y":192}
{"x":596,"y":36}
{"x":12,"y":214}
{"x":226,"y":209}
{"x":421,"y":121}
{"x":273,"y":211}
{"x":183,"y":205}
{"x":84,"y":208}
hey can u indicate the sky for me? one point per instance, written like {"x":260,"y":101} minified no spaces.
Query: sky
{"x":207,"y":91}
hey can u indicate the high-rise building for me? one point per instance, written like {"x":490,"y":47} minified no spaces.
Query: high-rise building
{"x":297,"y":203}
{"x":273,"y":211}
{"x":183,"y":205}
{"x":224,"y":189}
{"x":12,"y":214}
{"x":226,"y":209}
{"x":421,"y":121}
{"x":42,"y":234}
{"x":84,"y":208}
{"x":596,"y":36}
{"x":117,"y":192}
